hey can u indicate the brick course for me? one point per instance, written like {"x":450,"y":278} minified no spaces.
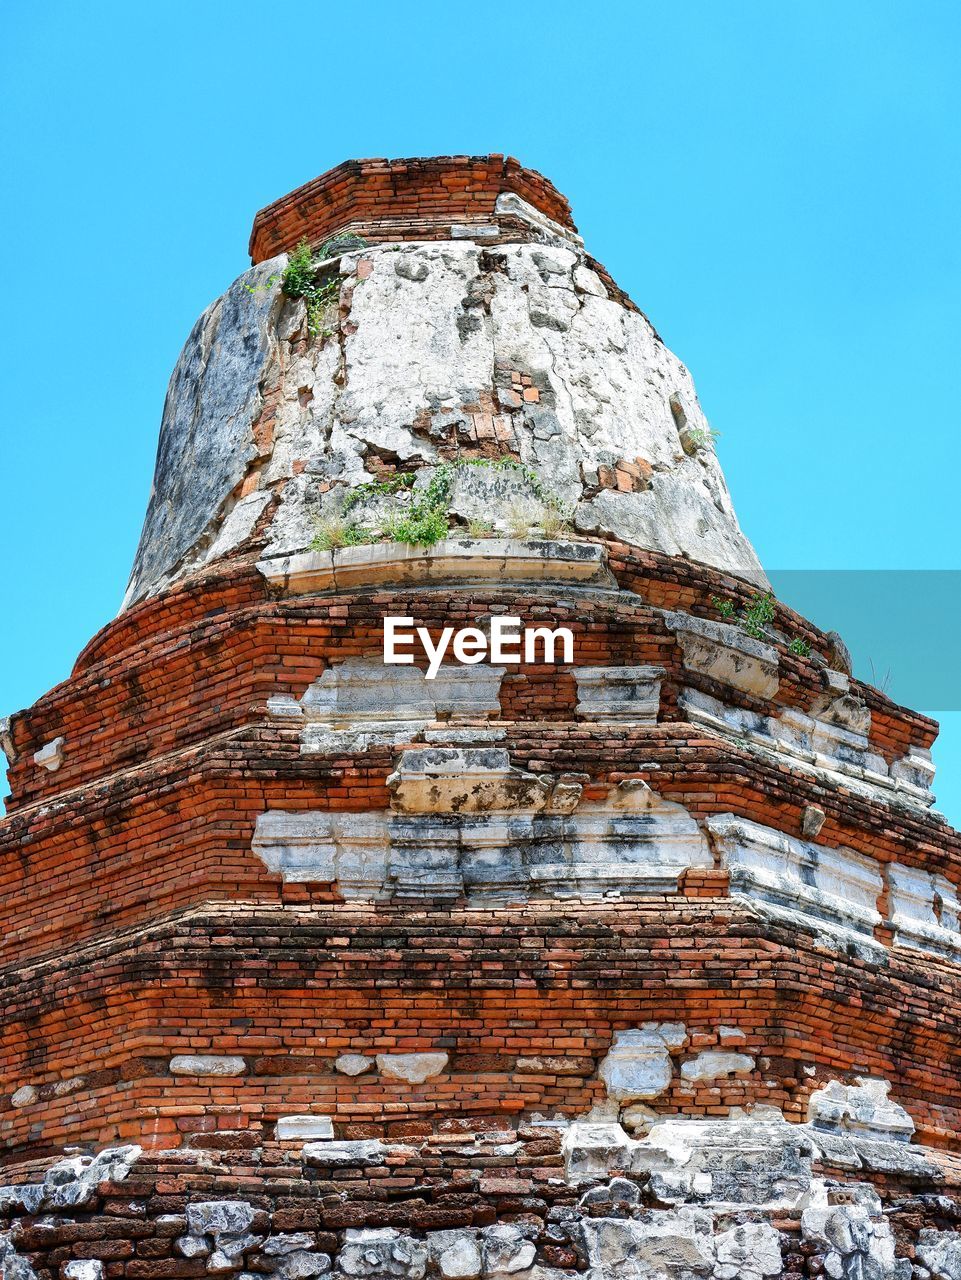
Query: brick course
{"x":417,"y":199}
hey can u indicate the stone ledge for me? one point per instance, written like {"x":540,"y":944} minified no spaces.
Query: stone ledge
{"x":837,"y":889}
{"x":629,"y":694}
{"x":725,"y":654}
{"x":454,"y":560}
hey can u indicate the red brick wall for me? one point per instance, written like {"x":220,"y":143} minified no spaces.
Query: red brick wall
{"x":289,"y":991}
{"x":421,"y":197}
{"x":177,"y":832}
{"x":202,"y":659}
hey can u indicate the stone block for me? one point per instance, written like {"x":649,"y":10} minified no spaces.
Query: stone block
{"x":83,"y":1269}
{"x":506,"y":1250}
{"x":727,"y":655}
{"x":302,"y":1264}
{"x":449,"y":562}
{"x":555,"y":1066}
{"x":366,"y":1151}
{"x":463,"y":781}
{"x":50,"y":755}
{"x":924,"y":910}
{"x":638,"y":1064}
{"x":496,"y":831}
{"x":287,"y":1242}
{"x":461,"y":1257}
{"x":310,"y":1127}
{"x":593,"y":1149}
{"x":382,"y":1252}
{"x":207,"y":1064}
{"x":474,"y":231}
{"x":748,"y":1251}
{"x":862,"y":1109}
{"x":812,"y":820}
{"x":834,"y":890}
{"x":414,"y":1068}
{"x":716,"y":1066}
{"x":6,"y":739}
{"x":219,"y":1218}
{"x":361,"y":702}
{"x":672,"y":1245}
{"x":630,"y":694}
{"x":940,"y":1252}
{"x":354,"y":1064}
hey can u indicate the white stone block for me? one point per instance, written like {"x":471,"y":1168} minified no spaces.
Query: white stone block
{"x":713,"y":1065}
{"x":833,"y":888}
{"x":207,"y":1064}
{"x":461,"y":1260}
{"x":863,"y":1109}
{"x":413,"y":1068}
{"x":85,"y":1269}
{"x":307,"y":1127}
{"x":50,"y":756}
{"x":629,"y":694}
{"x":638,"y":1065}
{"x":367,"y":1151}
{"x":724,"y":653}
{"x":354,"y":1064}
{"x":924,"y":910}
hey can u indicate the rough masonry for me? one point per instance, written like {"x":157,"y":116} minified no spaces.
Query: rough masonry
{"x":640,"y":965}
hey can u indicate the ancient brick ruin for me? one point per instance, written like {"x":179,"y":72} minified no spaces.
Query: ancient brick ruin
{"x":638,"y":965}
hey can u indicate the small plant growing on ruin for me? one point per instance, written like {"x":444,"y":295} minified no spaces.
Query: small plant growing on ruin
{"x":379,"y":488}
{"x":726,"y":608}
{"x":425,"y":522}
{"x":478,"y":528}
{"x":760,"y":611}
{"x":521,"y":517}
{"x":421,"y":526}
{"x":300,"y":281}
{"x":335,"y":531}
{"x":881,"y":681}
{"x":555,"y":520}
{"x":701,"y":437}
{"x":753,"y":617}
{"x":800,"y":648}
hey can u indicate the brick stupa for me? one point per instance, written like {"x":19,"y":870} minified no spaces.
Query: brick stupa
{"x":635,"y":961}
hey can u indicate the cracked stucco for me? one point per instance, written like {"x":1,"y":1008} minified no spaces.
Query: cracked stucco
{"x":415,"y":368}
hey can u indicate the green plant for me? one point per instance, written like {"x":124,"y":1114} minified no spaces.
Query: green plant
{"x":760,"y":610}
{"x":753,"y":617}
{"x":424,"y":522}
{"x":300,"y":281}
{"x":504,"y":464}
{"x":800,"y":647}
{"x":379,"y":488}
{"x":421,"y":526}
{"x":478,"y":528}
{"x":334,"y":531}
{"x":701,"y":437}
{"x":726,"y":608}
{"x":555,"y":520}
{"x":521,"y":517}
{"x":298,"y":277}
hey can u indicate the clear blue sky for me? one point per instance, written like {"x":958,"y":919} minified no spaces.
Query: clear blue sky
{"x":776,"y":184}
